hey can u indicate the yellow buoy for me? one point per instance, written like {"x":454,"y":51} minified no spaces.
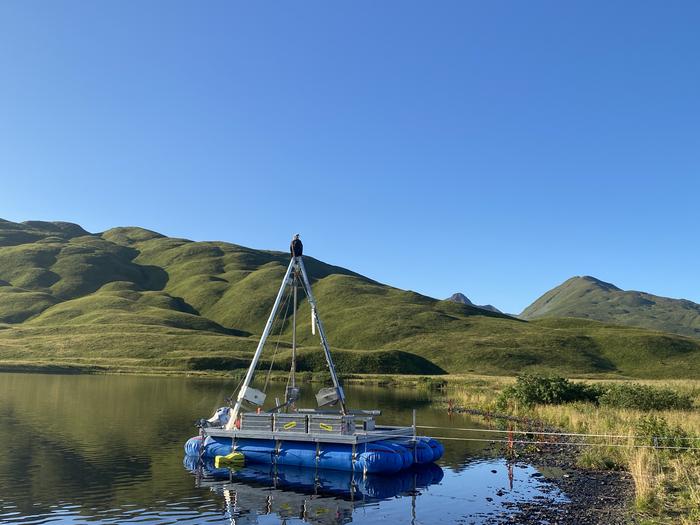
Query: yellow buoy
{"x":232,"y":460}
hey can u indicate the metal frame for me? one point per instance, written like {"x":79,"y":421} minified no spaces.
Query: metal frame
{"x":258,"y":351}
{"x":403,"y":434}
{"x":322,"y":334}
{"x":294,"y":263}
{"x":381,"y":433}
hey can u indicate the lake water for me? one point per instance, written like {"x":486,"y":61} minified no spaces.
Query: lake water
{"x":108,"y":450}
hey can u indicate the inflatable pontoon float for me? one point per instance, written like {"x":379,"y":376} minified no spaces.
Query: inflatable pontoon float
{"x":339,"y":439}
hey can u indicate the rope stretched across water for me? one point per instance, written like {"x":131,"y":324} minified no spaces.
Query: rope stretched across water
{"x":565,"y":434}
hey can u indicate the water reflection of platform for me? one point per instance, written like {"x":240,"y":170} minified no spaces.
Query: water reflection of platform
{"x":315,"y":496}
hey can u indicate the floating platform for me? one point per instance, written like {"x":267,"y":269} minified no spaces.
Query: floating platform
{"x":384,"y":450}
{"x":287,"y":435}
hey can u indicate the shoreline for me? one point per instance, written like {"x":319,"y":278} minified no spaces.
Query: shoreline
{"x":595,"y":495}
{"x":380,"y":379}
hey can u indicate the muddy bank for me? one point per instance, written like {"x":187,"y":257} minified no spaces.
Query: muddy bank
{"x":594,"y":497}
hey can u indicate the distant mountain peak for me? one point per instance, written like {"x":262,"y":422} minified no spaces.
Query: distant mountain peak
{"x":460,"y":298}
{"x":490,"y":308}
{"x":463,"y":299}
{"x":595,"y":281}
{"x":588,"y":297}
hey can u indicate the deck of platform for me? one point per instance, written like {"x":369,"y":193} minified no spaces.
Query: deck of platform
{"x":360,"y":436}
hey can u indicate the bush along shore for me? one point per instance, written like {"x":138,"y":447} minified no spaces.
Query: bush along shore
{"x":648,"y":432}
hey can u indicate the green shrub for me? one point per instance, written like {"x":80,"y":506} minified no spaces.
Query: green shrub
{"x":431,"y":383}
{"x":655,"y":430}
{"x":321,"y":377}
{"x":215,"y":363}
{"x":643,"y":397}
{"x":374,"y":362}
{"x":601,"y":458}
{"x":547,"y":390}
{"x":552,"y":390}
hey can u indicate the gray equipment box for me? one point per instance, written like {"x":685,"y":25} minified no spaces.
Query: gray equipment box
{"x":252,"y":421}
{"x":327,"y":396}
{"x":256,"y":397}
{"x":331,"y":424}
{"x":291,"y":394}
{"x":291,"y":423}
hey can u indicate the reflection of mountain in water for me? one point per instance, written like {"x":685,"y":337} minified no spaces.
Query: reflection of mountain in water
{"x":111,"y":445}
{"x":108,"y":450}
{"x":315,"y":496}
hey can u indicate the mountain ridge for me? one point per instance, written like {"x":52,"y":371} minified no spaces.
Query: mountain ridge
{"x":136,"y":299}
{"x":590,"y":298}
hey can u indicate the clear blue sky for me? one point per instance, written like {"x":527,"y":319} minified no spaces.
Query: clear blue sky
{"x":493,"y":148}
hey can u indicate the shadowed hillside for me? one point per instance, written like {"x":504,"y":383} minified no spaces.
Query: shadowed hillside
{"x":130,"y":298}
{"x":590,"y":298}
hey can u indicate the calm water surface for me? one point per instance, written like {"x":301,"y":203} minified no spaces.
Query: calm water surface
{"x":108,"y":449}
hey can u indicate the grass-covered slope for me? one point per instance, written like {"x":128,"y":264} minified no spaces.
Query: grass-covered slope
{"x":589,"y":298}
{"x":130,"y":297}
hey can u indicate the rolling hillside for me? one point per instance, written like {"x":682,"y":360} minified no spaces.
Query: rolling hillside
{"x":133,"y":298}
{"x":590,"y":298}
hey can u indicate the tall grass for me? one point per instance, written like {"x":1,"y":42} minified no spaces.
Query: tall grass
{"x":667,"y":482}
{"x":643,"y":464}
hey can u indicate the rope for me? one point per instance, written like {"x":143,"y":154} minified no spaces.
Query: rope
{"x":289,"y":377}
{"x":229,"y":398}
{"x":286,"y":304}
{"x":533,"y":442}
{"x":240,"y":382}
{"x":566,"y":434}
{"x":567,"y":443}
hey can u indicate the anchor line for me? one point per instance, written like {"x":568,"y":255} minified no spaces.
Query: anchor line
{"x":565,"y":434}
{"x":565,"y":443}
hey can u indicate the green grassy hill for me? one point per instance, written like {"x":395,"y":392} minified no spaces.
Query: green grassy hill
{"x":132,"y":298}
{"x":589,"y":298}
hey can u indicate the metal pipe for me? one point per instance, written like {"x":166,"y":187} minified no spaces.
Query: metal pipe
{"x":415,"y":444}
{"x":258,"y":351}
{"x":294,"y":336}
{"x":351,"y":412}
{"x":322,"y":334}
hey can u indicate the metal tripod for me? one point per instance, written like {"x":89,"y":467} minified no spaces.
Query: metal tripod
{"x":295,"y":264}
